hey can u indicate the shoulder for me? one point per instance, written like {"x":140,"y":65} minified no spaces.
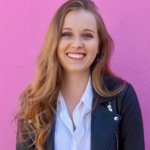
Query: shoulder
{"x":127,"y":101}
{"x":127,"y":93}
{"x":114,"y":82}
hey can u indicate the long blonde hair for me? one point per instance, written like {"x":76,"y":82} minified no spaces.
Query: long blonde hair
{"x":38,"y":101}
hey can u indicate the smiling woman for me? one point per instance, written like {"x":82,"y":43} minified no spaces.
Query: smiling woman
{"x":75,"y":101}
{"x":79,"y":43}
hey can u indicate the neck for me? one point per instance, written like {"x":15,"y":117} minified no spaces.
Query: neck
{"x":74,"y":87}
{"x":73,"y":81}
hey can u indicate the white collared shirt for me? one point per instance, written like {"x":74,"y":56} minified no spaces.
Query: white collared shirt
{"x":66,"y":138}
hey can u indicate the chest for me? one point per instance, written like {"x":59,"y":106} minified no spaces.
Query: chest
{"x":103,"y":128}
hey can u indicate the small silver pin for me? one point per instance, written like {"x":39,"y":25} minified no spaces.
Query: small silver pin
{"x":109,"y":107}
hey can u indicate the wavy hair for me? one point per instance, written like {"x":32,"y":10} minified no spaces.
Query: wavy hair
{"x":38,"y":101}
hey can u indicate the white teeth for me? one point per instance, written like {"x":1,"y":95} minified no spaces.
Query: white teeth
{"x":75,"y":55}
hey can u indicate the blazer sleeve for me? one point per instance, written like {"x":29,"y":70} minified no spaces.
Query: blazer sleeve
{"x":24,"y":146}
{"x":27,"y":144}
{"x":131,"y":126}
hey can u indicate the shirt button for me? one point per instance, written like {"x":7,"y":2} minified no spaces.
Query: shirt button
{"x":116,"y":118}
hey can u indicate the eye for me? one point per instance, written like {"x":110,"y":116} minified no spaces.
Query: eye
{"x":66,"y":34}
{"x":87,"y":35}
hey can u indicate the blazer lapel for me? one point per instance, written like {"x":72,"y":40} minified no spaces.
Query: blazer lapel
{"x":103,"y":125}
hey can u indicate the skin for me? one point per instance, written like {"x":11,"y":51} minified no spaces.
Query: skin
{"x":79,"y":36}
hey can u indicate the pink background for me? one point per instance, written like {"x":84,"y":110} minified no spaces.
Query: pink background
{"x":23,"y":24}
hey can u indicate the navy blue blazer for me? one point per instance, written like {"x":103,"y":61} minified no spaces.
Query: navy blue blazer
{"x":118,"y":129}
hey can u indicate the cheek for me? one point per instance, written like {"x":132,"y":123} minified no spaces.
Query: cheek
{"x":60,"y":49}
{"x":62,"y":46}
{"x":94,"y":47}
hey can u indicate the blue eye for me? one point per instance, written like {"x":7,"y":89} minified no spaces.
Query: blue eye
{"x":66,"y":34}
{"x":87,"y":35}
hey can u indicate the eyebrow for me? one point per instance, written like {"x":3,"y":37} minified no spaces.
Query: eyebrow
{"x":90,"y":30}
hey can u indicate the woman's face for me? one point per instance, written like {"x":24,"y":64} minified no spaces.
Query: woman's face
{"x":79,"y":42}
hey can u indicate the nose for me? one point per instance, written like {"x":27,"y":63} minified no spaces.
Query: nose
{"x":77,"y":42}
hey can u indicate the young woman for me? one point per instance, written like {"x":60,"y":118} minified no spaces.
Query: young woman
{"x":75,"y":102}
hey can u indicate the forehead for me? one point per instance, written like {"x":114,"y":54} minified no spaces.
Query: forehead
{"x":80,"y":19}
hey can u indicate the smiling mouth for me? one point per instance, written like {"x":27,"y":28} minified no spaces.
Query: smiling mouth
{"x":76,"y":55}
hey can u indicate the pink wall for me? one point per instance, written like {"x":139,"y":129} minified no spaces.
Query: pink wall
{"x":22,"y":27}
